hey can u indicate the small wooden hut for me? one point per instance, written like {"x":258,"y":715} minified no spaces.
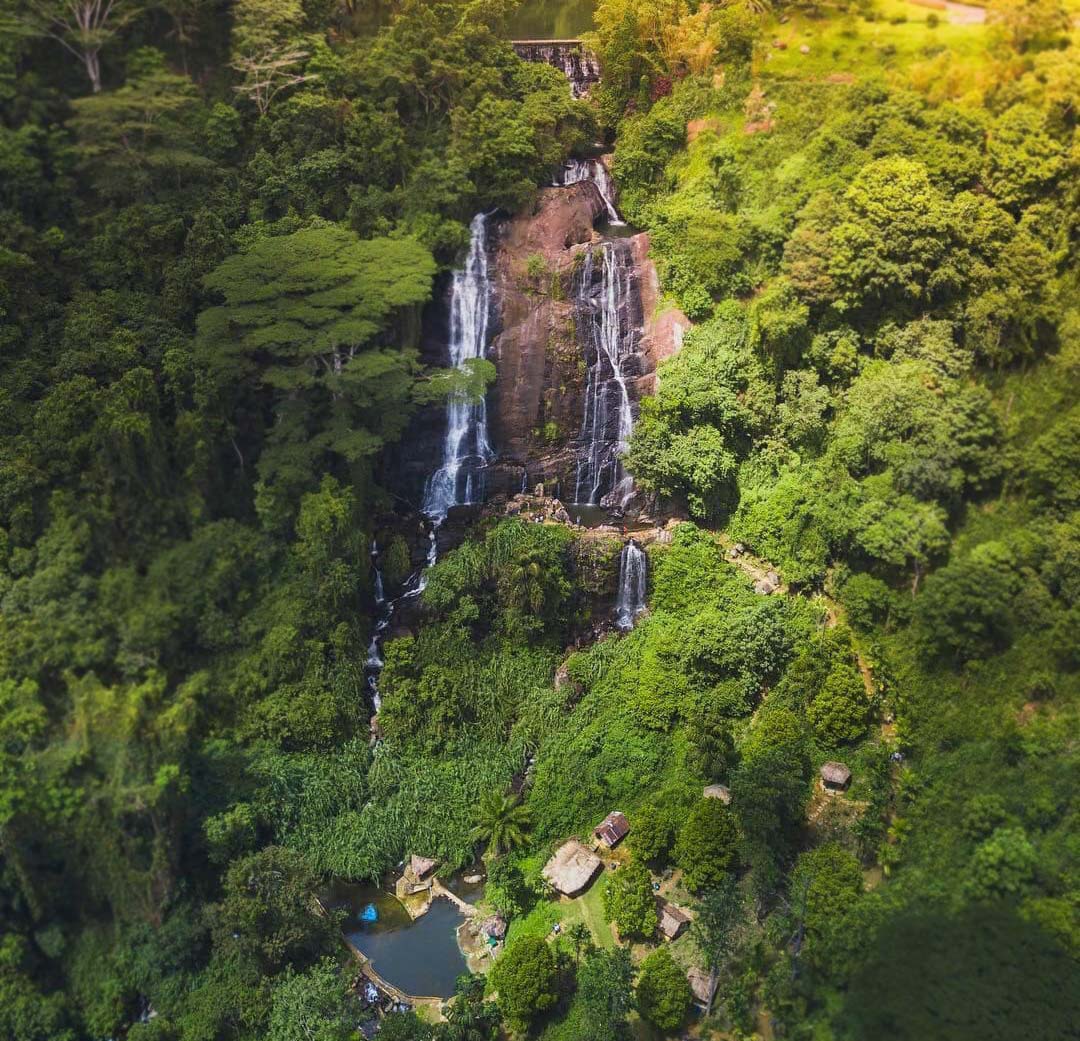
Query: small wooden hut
{"x":612,"y":829}
{"x":673,"y":920}
{"x":702,"y":986}
{"x":835,"y":777}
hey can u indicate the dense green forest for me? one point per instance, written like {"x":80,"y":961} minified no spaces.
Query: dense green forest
{"x":221,"y":224}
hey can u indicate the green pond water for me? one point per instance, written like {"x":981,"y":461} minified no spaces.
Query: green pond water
{"x":421,"y":957}
{"x":551,"y":19}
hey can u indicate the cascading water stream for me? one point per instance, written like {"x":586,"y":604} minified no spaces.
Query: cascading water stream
{"x":466,"y":448}
{"x":377,"y":579}
{"x":633,"y":583}
{"x":574,"y":171}
{"x":384,"y":611}
{"x":605,"y":322}
{"x":578,"y":65}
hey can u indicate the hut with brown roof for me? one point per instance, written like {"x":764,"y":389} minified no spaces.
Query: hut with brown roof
{"x":612,"y":829}
{"x":416,"y":877}
{"x":702,"y":986}
{"x":835,"y":777}
{"x":572,"y":868}
{"x":673,"y":920}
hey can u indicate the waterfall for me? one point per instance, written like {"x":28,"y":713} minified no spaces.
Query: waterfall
{"x":377,"y":580}
{"x":633,"y":580}
{"x":606,"y":307}
{"x":384,"y":613}
{"x":466,"y":449}
{"x":578,"y":65}
{"x":574,"y":171}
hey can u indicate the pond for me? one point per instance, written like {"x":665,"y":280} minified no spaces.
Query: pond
{"x":421,"y":957}
{"x":551,"y":19}
{"x":589,"y":515}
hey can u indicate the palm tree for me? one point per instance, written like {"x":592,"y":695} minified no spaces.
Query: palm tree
{"x":501,"y":821}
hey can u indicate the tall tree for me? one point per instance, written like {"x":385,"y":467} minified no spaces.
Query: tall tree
{"x":720,"y":913}
{"x":299,"y":330}
{"x":605,"y":988}
{"x":81,"y":27}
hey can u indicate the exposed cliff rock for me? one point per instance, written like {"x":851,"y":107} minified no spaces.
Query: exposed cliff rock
{"x":664,"y":325}
{"x":542,"y":343}
{"x":536,"y":404}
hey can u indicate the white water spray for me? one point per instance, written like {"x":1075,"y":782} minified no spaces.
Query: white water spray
{"x":609,"y":415}
{"x":466,"y":448}
{"x":633,"y":582}
{"x":574,"y":171}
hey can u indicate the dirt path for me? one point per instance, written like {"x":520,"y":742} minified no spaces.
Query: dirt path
{"x":756,"y":569}
{"x":965,"y":14}
{"x":955,"y":13}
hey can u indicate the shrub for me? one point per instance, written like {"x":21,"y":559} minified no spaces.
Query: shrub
{"x":1003,"y":865}
{"x":838,"y":712}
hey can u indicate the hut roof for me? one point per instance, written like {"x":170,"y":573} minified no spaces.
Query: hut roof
{"x":421,"y":867}
{"x":572,"y":868}
{"x":494,"y":926}
{"x":672,"y":919}
{"x":702,"y":984}
{"x":835,"y":773}
{"x":612,"y":829}
{"x":717,"y":791}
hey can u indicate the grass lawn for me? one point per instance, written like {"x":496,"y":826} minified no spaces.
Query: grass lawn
{"x":588,"y":908}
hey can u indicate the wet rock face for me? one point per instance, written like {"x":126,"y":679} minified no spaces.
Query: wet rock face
{"x":579,"y":66}
{"x":544,"y":323}
{"x":537,"y":402}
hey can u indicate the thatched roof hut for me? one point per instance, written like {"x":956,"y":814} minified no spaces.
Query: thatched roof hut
{"x":572,"y":868}
{"x":612,"y":829}
{"x":673,"y":920}
{"x":835,"y":777}
{"x":717,"y":791}
{"x":421,"y":867}
{"x":702,"y":985}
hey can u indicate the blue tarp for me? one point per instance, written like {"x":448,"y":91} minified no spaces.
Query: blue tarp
{"x":369,"y":914}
